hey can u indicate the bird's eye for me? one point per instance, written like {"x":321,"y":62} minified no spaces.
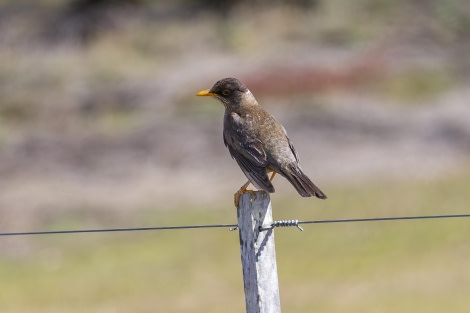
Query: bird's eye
{"x":225,"y":92}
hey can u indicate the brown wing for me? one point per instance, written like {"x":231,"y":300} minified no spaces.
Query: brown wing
{"x":247,"y":151}
{"x":291,"y":146}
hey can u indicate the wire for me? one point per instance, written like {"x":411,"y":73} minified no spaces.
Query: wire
{"x":53,"y":232}
{"x":375,"y":219}
{"x":234,"y":226}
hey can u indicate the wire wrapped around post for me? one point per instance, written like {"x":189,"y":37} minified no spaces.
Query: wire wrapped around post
{"x":283,"y":223}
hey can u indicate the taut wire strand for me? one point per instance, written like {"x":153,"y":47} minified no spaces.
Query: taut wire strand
{"x":283,"y":223}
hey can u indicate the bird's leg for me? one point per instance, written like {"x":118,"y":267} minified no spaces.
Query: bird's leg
{"x":242,"y":190}
{"x":272,"y":177}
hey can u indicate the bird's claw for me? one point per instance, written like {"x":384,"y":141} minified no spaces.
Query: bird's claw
{"x":240,"y":192}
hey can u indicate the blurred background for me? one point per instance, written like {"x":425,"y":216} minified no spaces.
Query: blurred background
{"x":100,"y":127}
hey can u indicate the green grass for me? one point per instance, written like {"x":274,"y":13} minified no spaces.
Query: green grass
{"x":401,"y":266}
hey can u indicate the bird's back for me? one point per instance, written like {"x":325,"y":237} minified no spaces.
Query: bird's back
{"x":258,"y":123}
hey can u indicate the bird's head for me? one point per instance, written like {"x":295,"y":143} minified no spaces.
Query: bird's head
{"x":230,"y":91}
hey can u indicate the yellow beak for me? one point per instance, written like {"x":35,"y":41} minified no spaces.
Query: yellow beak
{"x":206,"y":93}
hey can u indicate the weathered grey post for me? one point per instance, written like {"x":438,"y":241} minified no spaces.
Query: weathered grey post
{"x":258,"y":253}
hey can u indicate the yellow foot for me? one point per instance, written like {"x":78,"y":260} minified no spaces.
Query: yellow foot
{"x":238,"y":194}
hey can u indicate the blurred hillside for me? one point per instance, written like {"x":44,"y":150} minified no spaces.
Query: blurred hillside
{"x":98,"y":116}
{"x":100,"y":127}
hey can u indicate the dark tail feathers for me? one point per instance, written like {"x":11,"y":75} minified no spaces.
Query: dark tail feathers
{"x":304,"y":186}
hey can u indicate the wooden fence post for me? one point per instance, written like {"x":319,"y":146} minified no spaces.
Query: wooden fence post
{"x":258,"y":253}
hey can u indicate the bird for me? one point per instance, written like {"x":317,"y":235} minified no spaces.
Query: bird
{"x":257,"y":141}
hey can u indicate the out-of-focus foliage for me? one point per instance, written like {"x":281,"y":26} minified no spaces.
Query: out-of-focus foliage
{"x":100,"y":127}
{"x":94,"y":90}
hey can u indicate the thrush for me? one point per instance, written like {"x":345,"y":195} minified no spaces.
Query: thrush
{"x":257,"y":141}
